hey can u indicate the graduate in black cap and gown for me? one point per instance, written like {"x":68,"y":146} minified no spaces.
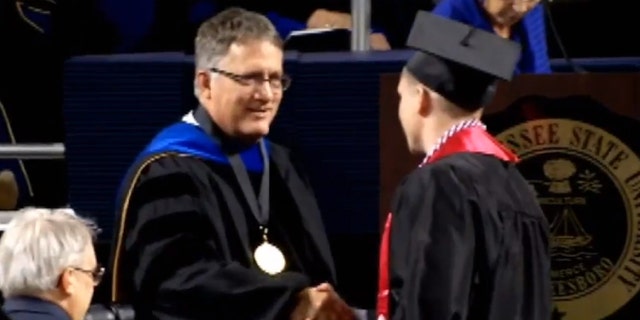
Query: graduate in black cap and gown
{"x":466,"y":238}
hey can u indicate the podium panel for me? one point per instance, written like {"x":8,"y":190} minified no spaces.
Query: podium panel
{"x":577,"y":138}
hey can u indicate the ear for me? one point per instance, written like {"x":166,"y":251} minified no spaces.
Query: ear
{"x":203,"y":83}
{"x":426,"y":106}
{"x":67,"y":282}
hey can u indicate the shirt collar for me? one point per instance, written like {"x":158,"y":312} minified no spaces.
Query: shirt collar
{"x":34,"y":305}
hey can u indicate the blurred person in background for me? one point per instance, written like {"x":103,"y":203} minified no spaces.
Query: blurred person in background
{"x":48,"y":267}
{"x":30,"y":49}
{"x":152,"y":26}
{"x":522,"y":21}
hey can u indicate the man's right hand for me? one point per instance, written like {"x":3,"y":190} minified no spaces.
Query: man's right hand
{"x":321,"y":303}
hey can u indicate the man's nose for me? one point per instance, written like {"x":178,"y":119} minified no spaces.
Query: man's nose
{"x":265,"y":91}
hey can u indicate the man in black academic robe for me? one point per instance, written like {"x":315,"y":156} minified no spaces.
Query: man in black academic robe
{"x":211,"y":209}
{"x":466,"y":238}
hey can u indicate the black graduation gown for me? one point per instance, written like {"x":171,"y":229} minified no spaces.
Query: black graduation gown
{"x":188,"y":237}
{"x":468,"y":241}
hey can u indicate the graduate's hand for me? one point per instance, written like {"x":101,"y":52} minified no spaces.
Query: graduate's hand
{"x":334,"y":307}
{"x":321,"y":303}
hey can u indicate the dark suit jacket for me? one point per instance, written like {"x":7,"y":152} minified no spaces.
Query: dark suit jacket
{"x":28,"y":308}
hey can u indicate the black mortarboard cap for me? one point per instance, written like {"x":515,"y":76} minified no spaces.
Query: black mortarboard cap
{"x":460,"y":62}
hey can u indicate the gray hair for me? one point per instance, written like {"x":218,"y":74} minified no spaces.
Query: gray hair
{"x":37,"y":246}
{"x":234,"y":25}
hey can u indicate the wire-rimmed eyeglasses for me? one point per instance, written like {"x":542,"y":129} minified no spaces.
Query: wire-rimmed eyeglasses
{"x":95,"y":274}
{"x":256,"y":79}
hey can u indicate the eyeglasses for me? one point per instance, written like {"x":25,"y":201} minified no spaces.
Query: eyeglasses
{"x":256,"y":79}
{"x":516,"y":2}
{"x":95,"y":274}
{"x":522,"y":2}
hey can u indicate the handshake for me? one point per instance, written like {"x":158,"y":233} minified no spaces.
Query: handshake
{"x":321,"y":303}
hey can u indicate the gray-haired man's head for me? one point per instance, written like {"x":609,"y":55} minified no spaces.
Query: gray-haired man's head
{"x":49,"y":254}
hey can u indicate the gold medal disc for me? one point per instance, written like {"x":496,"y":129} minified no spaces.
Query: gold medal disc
{"x":269,"y":258}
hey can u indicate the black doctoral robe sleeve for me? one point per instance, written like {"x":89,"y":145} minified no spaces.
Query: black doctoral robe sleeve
{"x":433,"y":247}
{"x":181,"y":273}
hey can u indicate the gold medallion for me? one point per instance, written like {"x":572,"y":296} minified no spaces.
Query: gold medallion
{"x":269,"y":258}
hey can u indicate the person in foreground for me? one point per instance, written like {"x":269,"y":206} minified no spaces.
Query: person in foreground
{"x":466,"y":238}
{"x":216,"y":221}
{"x":48,"y":267}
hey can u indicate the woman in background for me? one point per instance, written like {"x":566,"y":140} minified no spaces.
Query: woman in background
{"x":518,"y":20}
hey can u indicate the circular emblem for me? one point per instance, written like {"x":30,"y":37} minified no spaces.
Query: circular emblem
{"x":269,"y":258}
{"x":588,"y":183}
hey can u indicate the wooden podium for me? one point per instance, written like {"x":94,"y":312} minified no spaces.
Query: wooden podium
{"x":579,"y":141}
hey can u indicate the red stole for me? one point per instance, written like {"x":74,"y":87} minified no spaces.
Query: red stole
{"x":472,"y":139}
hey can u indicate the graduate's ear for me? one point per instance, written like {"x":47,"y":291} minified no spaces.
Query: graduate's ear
{"x":426,"y":103}
{"x":202,"y":84}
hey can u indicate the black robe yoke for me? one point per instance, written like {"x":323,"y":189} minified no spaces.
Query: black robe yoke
{"x":189,"y":235}
{"x":468,"y":241}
